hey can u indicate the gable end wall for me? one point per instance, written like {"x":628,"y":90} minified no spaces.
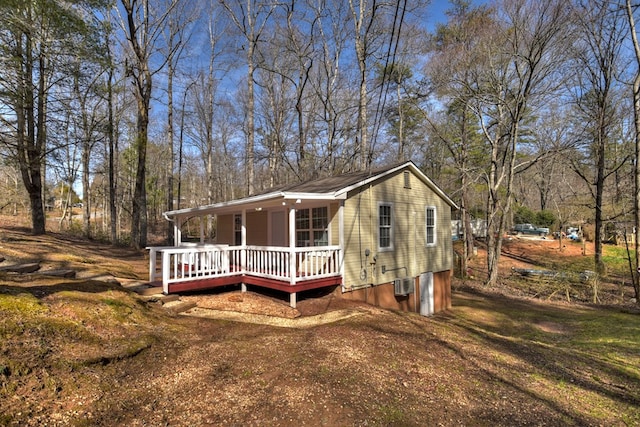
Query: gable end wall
{"x":410,"y":256}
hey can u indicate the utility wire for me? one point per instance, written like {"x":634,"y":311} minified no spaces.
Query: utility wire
{"x":382,"y":96}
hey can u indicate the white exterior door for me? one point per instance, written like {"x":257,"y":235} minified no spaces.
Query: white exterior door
{"x":426,"y":294}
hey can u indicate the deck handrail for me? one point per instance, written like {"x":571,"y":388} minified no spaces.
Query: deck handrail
{"x":196,"y":262}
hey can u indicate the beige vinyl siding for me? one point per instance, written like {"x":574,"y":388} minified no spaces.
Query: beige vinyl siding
{"x":257,"y":228}
{"x":224,"y":229}
{"x":410,"y":255}
{"x":334,"y":224}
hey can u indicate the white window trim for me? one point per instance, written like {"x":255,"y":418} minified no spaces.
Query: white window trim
{"x":435,"y":226}
{"x":391,"y":227}
{"x":311,"y":229}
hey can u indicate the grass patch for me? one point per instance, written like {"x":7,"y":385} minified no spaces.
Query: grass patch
{"x":580,"y":357}
{"x":616,"y":259}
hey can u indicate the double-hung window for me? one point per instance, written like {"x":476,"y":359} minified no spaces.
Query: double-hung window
{"x":312,"y":227}
{"x":237,"y":229}
{"x":430,"y":226}
{"x":385,"y":226}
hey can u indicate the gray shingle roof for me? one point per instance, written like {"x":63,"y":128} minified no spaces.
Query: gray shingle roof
{"x":328,"y":188}
{"x":329,"y":184}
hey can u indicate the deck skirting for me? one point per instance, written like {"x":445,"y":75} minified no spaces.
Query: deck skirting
{"x":249,"y":279}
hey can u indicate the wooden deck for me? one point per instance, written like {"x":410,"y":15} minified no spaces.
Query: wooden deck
{"x":201,"y":267}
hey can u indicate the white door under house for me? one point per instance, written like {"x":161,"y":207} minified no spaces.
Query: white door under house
{"x":426,"y":294}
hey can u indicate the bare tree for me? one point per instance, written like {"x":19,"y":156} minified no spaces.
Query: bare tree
{"x":142,"y":25}
{"x":37,"y":39}
{"x":251,"y":18}
{"x":518,"y":73}
{"x":456,"y":47}
{"x":364,"y":16}
{"x":636,"y":121}
{"x":176,"y":37}
{"x":597,"y":69}
{"x":330,"y":113}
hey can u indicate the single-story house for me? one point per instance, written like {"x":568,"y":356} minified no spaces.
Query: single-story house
{"x":382,"y":237}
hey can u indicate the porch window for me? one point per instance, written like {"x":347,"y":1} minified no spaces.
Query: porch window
{"x":430,"y":229}
{"x":237,"y":229}
{"x":312,"y":227}
{"x":385,"y":227}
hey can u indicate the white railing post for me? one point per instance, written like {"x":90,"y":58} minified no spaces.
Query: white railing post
{"x":166,"y":265}
{"x":293,"y":269}
{"x":152,"y":264}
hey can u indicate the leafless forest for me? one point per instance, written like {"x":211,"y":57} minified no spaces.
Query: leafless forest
{"x":112,"y":112}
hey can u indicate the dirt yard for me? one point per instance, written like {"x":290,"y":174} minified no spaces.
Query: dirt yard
{"x":88,"y":351}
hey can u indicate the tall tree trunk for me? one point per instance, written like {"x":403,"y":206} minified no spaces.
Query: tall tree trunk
{"x":113,"y":212}
{"x":139,"y":212}
{"x":636,"y":172}
{"x":249,"y":151}
{"x":86,"y":187}
{"x":170,"y":74}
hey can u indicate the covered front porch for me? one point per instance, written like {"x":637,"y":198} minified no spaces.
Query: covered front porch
{"x":277,"y":241}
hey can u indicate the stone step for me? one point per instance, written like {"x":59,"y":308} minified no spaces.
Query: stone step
{"x":67,"y":274}
{"x":180,"y":306}
{"x":21,"y":268}
{"x":149,"y":291}
{"x":169,"y":298}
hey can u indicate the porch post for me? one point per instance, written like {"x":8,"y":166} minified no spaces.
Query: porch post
{"x":178,"y":232}
{"x":341,"y":240}
{"x":201,"y":229}
{"x":243,"y":246}
{"x":243,"y":239}
{"x":292,"y":246}
{"x":292,"y":300}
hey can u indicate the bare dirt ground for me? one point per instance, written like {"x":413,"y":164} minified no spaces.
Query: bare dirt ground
{"x":88,"y":351}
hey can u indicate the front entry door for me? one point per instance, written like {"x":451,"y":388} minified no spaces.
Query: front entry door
{"x":426,"y":294}
{"x":278,"y":235}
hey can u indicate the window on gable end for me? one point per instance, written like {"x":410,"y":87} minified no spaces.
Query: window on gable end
{"x":407,"y":179}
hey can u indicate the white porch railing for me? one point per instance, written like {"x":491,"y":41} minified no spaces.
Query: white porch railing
{"x":196,"y":262}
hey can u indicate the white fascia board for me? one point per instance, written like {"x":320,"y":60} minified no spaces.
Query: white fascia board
{"x":250,"y":202}
{"x":217,"y":206}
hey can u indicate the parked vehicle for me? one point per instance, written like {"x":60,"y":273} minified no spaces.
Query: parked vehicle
{"x":530,"y":229}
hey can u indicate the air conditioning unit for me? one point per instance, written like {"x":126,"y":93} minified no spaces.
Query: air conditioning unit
{"x":404,"y":286}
